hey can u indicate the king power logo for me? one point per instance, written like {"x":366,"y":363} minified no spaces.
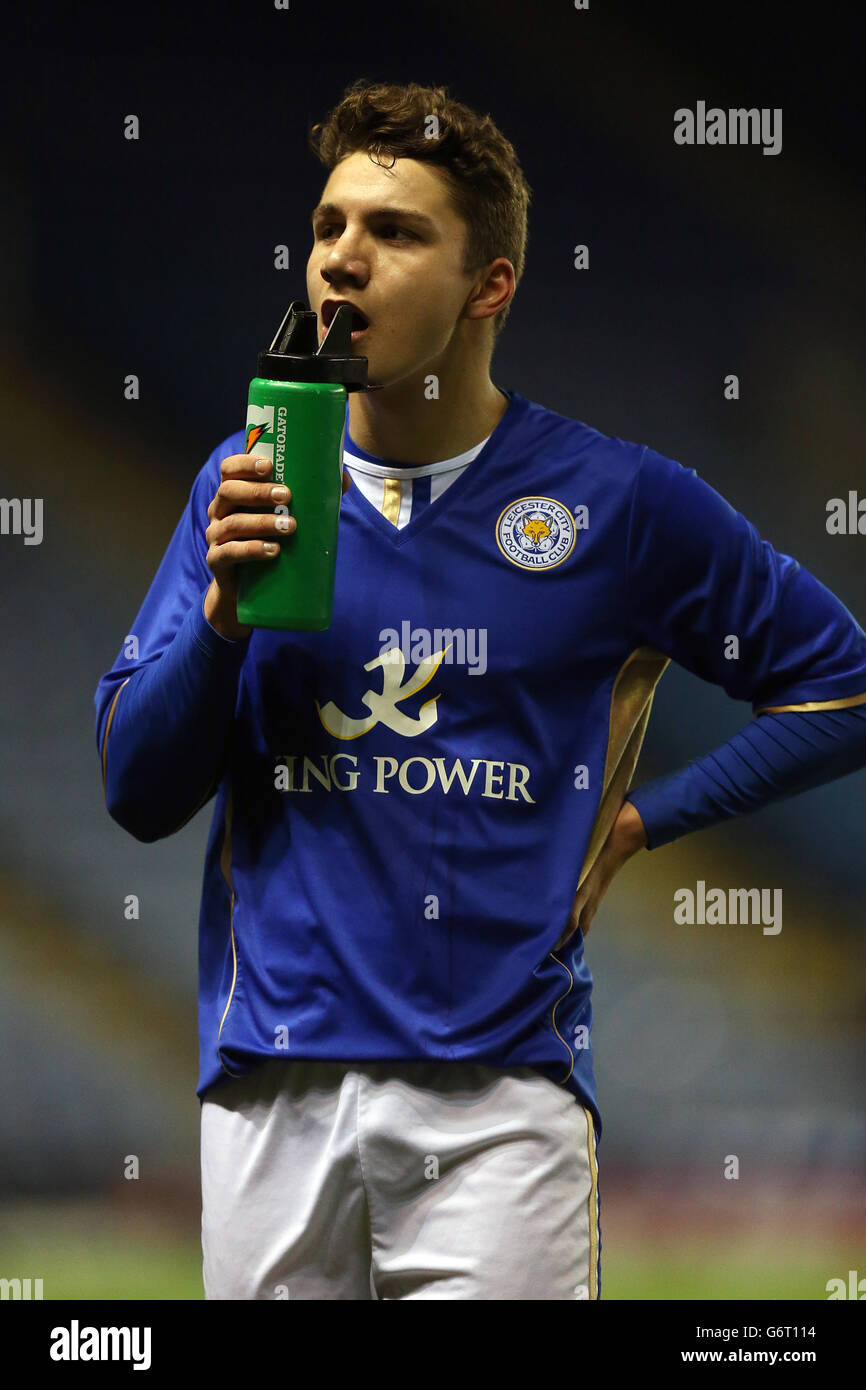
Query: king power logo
{"x":383,"y":707}
{"x":494,"y":778}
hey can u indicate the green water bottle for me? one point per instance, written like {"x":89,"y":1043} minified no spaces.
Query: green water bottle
{"x":296,"y":416}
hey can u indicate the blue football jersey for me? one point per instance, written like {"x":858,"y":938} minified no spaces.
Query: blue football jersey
{"x":407,"y":802}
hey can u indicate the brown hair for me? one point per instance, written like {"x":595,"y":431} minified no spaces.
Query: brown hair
{"x":482,"y":171}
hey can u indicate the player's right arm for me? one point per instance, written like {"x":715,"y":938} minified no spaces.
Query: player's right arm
{"x":165,"y":710}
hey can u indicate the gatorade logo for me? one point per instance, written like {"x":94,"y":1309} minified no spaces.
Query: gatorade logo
{"x":260,"y":421}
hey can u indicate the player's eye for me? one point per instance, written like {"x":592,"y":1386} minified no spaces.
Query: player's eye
{"x":389,"y":230}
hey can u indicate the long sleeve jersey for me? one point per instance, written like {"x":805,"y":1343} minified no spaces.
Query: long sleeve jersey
{"x":406,"y":802}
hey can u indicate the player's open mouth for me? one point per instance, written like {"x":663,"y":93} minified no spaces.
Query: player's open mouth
{"x":360,"y":322}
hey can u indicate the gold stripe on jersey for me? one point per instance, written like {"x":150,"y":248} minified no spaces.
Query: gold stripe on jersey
{"x":392,"y":495}
{"x":814,"y":704}
{"x":593,"y":1205}
{"x":107,"y":727}
{"x":563,"y":1040}
{"x":226,"y":866}
{"x":630,"y":704}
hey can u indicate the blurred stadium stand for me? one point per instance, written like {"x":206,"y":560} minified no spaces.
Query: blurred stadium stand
{"x":708,"y":1041}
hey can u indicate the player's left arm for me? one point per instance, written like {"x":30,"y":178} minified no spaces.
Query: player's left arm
{"x":706,"y":590}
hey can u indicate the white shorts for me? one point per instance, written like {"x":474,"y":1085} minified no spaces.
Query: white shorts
{"x":380,"y":1180}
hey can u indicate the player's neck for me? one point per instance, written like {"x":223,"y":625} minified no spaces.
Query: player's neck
{"x":403,"y":423}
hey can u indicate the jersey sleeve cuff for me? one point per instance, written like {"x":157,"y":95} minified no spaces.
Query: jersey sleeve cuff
{"x":213,"y":642}
{"x":784,"y":704}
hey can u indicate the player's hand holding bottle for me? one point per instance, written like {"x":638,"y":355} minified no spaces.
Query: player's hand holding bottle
{"x":237,"y":536}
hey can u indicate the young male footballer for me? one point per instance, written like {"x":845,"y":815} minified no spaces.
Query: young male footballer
{"x":419,"y":810}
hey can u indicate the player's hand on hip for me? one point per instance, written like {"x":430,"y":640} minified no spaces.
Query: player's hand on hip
{"x":627,"y":836}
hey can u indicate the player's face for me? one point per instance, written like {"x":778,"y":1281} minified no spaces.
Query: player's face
{"x":404,"y":272}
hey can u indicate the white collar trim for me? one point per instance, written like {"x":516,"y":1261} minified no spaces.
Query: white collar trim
{"x":418,"y":470}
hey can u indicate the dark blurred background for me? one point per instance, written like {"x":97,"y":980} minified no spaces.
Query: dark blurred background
{"x":155,"y":257}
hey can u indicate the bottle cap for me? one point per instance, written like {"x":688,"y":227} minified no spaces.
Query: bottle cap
{"x":295,"y":356}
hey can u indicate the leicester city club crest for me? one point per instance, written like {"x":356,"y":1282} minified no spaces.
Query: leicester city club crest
{"x":535,"y":532}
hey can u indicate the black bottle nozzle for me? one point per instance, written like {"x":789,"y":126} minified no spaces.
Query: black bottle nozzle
{"x":294,"y":354}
